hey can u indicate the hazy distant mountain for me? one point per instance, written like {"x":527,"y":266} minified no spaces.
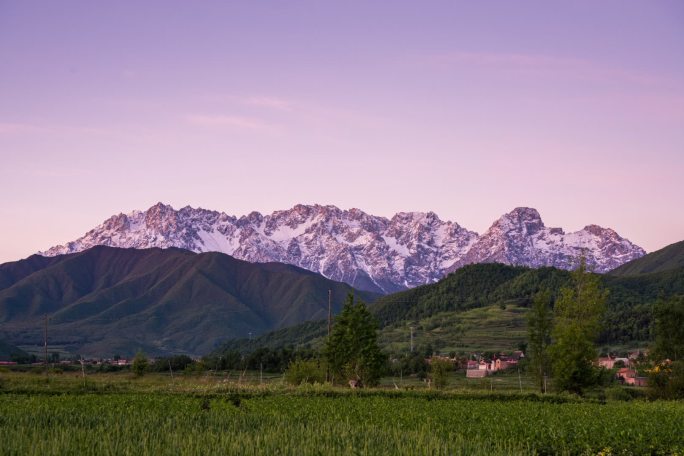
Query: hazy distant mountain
{"x":108,"y":300}
{"x":368,"y":252}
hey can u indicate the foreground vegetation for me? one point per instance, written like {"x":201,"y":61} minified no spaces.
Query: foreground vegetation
{"x":121,"y":414}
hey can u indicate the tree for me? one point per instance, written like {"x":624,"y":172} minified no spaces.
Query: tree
{"x":352,"y":349}
{"x":667,"y":376}
{"x":439,"y":372}
{"x":579,"y":310}
{"x":140,"y":363}
{"x":669,"y":329}
{"x":539,"y":324}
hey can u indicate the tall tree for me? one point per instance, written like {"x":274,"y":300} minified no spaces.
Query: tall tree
{"x":667,"y":376}
{"x":669,"y":329}
{"x":139,"y":365}
{"x":539,"y":324}
{"x":578,"y":313}
{"x":352,"y":349}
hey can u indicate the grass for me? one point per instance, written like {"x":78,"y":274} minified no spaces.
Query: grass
{"x":206,"y":414}
{"x":482,"y":329}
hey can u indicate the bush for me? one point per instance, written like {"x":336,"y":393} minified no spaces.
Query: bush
{"x":617,"y":393}
{"x":439,"y":372}
{"x":666,"y":380}
{"x":139,"y":365}
{"x":305,"y":371}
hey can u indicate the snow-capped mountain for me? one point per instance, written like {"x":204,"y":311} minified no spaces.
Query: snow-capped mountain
{"x":366,"y":251}
{"x":520,"y":238}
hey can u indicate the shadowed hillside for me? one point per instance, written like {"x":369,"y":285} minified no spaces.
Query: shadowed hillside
{"x":107,"y":300}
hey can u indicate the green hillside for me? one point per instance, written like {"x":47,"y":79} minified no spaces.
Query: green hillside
{"x":9,"y":352}
{"x":482,"y":307}
{"x":107,"y":300}
{"x":665,"y":259}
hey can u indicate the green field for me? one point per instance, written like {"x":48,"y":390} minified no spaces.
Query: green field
{"x":117,"y":414}
{"x":490,"y":328}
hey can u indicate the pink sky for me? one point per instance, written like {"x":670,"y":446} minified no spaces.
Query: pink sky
{"x":576,"y":109}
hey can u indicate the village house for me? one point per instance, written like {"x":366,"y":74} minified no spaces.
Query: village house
{"x":629,"y":376}
{"x":482,"y":368}
{"x":609,"y":362}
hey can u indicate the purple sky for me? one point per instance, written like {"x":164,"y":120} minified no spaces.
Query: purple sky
{"x":574,"y":108}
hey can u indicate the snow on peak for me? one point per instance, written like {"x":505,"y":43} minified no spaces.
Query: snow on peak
{"x":366,"y":251}
{"x":521,"y":238}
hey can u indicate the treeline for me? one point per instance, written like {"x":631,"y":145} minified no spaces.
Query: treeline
{"x":628,"y":317}
{"x":263,"y":358}
{"x":629,"y":303}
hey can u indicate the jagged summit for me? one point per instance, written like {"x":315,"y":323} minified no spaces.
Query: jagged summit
{"x":521,"y":238}
{"x":366,"y":251}
{"x":524,"y":219}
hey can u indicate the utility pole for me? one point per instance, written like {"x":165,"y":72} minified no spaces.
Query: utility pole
{"x":411,"y":338}
{"x":329,"y":312}
{"x":327,"y":369}
{"x":45,"y":338}
{"x":83,"y":370}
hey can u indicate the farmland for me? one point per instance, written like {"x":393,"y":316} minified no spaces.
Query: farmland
{"x":118,"y":414}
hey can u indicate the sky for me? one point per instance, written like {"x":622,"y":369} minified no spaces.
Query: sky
{"x":468,"y":109}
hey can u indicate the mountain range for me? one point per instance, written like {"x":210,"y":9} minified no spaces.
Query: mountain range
{"x":108,"y":300}
{"x":368,"y":252}
{"x":483,"y":307}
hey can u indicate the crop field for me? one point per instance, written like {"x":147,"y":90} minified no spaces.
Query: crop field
{"x":192,"y":417}
{"x":488,"y":328}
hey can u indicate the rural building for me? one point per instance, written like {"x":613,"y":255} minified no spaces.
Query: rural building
{"x":629,"y":376}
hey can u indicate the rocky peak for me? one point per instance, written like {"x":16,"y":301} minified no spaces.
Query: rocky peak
{"x":521,"y":219}
{"x":599,"y":230}
{"x":366,"y":251}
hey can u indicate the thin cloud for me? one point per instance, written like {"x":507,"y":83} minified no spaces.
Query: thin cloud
{"x":240,"y":122}
{"x":544,"y":64}
{"x":8,"y":128}
{"x":18,"y":128}
{"x":269,"y":102}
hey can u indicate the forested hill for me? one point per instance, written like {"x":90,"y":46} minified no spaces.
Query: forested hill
{"x":106,"y":300}
{"x":472,"y":286}
{"x":9,"y":352}
{"x":499,"y":286}
{"x":666,"y":259}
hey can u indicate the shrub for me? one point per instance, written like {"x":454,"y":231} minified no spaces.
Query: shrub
{"x":305,"y":371}
{"x":140,"y":363}
{"x":617,"y":393}
{"x":439,"y":372}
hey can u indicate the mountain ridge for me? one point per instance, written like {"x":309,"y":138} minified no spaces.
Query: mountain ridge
{"x":106,"y":300}
{"x":369,"y":252}
{"x":668,"y":258}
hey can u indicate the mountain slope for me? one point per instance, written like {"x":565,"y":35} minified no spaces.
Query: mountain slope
{"x":368,"y":252}
{"x":106,"y":300}
{"x":9,"y":352}
{"x":665,"y":259}
{"x":445,"y":314}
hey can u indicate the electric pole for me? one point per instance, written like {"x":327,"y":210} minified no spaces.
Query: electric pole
{"x":411,"y":338}
{"x":329,"y":312}
{"x":45,"y":345}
